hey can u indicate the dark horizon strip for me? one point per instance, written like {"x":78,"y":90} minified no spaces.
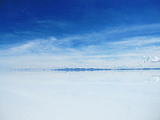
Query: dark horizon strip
{"x":87,"y":69}
{"x":102,"y":69}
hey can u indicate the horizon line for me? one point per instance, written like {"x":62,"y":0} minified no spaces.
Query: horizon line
{"x":78,"y":69}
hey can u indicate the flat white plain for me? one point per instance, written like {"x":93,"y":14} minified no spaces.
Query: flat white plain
{"x":102,"y":95}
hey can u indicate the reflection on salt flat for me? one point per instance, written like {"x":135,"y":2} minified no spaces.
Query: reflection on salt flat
{"x":96,"y":95}
{"x":155,"y":78}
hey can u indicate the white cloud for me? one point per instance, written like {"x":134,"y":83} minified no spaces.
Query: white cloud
{"x":137,"y":41}
{"x":53,"y":52}
{"x":153,"y":58}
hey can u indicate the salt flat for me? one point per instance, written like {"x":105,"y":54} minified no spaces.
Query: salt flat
{"x":89,"y":95}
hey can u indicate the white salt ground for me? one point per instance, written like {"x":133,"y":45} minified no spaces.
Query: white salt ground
{"x":110,"y":95}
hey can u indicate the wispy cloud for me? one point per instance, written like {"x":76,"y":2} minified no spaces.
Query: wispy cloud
{"x":138,"y":41}
{"x":89,"y":50}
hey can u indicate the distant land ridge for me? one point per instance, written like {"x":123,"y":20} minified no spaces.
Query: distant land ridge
{"x":84,"y":69}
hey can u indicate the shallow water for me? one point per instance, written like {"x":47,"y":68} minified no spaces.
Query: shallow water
{"x":89,"y":95}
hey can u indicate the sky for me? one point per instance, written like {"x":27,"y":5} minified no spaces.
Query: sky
{"x":79,"y":33}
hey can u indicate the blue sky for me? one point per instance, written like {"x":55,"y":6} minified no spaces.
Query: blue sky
{"x":87,"y":31}
{"x":24,"y":20}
